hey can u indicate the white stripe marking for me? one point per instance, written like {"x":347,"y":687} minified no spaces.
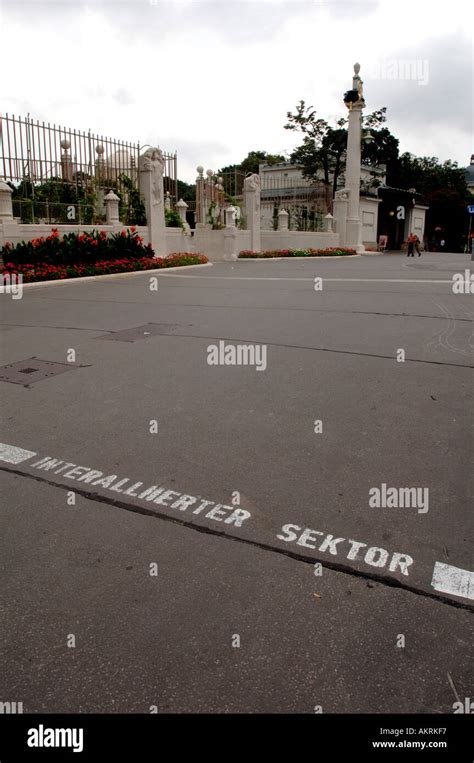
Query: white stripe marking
{"x":453,"y":580}
{"x":309,"y":278}
{"x":12,"y":455}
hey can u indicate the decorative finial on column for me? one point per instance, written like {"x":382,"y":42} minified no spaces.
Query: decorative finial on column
{"x":356,"y":94}
{"x":357,"y":85}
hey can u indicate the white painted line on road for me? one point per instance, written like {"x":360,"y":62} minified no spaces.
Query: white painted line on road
{"x":13,"y":455}
{"x":446,"y":578}
{"x":372,"y":556}
{"x":389,"y":280}
{"x":453,"y":580}
{"x":309,"y":278}
{"x":229,"y":515}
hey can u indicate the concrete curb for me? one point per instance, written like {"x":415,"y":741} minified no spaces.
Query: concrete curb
{"x":63,"y":281}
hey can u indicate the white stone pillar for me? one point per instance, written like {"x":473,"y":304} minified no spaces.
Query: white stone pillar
{"x":355,"y":103}
{"x":230,"y":235}
{"x":151,"y":166}
{"x":181,"y":208}
{"x":252,"y":210}
{"x":200,"y":197}
{"x":354,"y":225}
{"x":230,"y":244}
{"x":6,"y":206}
{"x":230,"y":217}
{"x":111,"y":201}
{"x":66,"y":161}
{"x":283,"y":219}
{"x":328,"y":223}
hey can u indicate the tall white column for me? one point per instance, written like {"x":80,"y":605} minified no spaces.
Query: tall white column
{"x":355,"y":104}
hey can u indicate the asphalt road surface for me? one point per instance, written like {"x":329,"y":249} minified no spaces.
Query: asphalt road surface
{"x":288,"y":535}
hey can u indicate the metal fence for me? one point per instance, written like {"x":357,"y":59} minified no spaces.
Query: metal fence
{"x":233,"y":182}
{"x":58,"y":165}
{"x":306,"y":204}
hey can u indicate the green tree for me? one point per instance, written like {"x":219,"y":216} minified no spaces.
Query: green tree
{"x":186,"y":191}
{"x":443,"y":188}
{"x":322,"y":152}
{"x":252,"y":161}
{"x":428,"y":174}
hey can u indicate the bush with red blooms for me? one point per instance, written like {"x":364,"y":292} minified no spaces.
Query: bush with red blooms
{"x":87,"y":254}
{"x":335,"y":251}
{"x":78,"y":248}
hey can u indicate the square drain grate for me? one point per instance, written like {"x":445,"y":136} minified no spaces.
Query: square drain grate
{"x":33,"y":370}
{"x":141,"y":332}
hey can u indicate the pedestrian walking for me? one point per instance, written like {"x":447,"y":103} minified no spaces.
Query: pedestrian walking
{"x":411,"y":245}
{"x":417,"y":245}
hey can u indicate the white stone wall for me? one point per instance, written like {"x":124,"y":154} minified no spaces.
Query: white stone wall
{"x":205,"y":240}
{"x":176,"y":241}
{"x":298,"y":240}
{"x":211,"y":242}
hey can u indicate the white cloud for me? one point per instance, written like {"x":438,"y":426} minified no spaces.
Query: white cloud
{"x":215,"y":80}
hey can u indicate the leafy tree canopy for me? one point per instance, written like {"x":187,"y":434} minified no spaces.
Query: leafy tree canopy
{"x":322,"y":152}
{"x":427,"y":174}
{"x":186,"y":191}
{"x":252,"y":161}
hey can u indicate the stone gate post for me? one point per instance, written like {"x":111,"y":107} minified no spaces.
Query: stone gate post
{"x":252,"y":210}
{"x":151,"y":167}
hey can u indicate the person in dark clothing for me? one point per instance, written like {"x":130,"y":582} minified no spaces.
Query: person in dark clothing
{"x":411,"y":245}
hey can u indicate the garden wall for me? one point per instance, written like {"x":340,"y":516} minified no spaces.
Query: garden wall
{"x":297,"y":240}
{"x":204,"y":241}
{"x":176,"y":241}
{"x":212,"y":242}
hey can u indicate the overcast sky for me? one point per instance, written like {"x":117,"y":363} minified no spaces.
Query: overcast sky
{"x":214,"y":80}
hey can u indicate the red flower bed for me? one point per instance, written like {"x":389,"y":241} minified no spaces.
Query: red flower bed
{"x":45,"y":272}
{"x":87,"y":254}
{"x":75,"y":249}
{"x":334,"y":251}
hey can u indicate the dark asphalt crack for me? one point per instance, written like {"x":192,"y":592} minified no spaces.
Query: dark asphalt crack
{"x":316,"y":349}
{"x":336,"y":566}
{"x":253,"y":307}
{"x":292,"y":347}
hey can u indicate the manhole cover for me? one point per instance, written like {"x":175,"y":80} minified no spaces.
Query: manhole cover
{"x":141,"y":332}
{"x":33,"y":370}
